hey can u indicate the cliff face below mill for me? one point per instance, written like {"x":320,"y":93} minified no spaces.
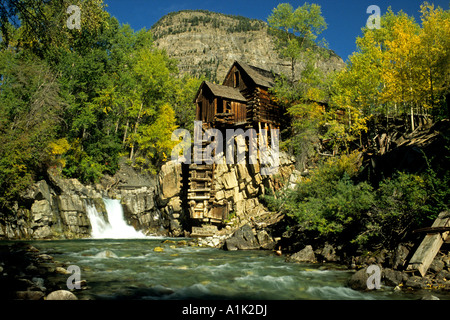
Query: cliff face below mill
{"x":56,"y":208}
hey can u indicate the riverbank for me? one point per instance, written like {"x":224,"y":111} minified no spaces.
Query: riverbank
{"x":26,"y":273}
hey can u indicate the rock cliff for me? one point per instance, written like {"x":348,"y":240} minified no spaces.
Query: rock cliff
{"x":56,"y":208}
{"x":207,"y":43}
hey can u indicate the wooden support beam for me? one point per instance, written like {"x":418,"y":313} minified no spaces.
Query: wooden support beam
{"x":199,"y":197}
{"x":200,"y":179}
{"x":200,"y":190}
{"x":430,"y":245}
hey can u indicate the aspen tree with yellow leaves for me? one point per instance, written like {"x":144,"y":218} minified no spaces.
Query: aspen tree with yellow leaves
{"x":400,"y":69}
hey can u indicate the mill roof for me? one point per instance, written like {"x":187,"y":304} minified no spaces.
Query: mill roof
{"x":259,"y":76}
{"x":222,"y":91}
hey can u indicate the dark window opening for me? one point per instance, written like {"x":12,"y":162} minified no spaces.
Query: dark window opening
{"x":200,"y":110}
{"x":219,"y":106}
{"x":228,"y":107}
{"x":236,"y":79}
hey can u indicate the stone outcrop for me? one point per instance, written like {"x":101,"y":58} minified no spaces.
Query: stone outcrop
{"x":304,"y":255}
{"x":240,"y":185}
{"x":245,"y":238}
{"x":56,"y":208}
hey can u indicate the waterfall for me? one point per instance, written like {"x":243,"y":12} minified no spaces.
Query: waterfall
{"x":116,"y":226}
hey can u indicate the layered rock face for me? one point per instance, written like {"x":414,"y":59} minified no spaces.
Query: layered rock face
{"x":56,"y":208}
{"x":206,"y":43}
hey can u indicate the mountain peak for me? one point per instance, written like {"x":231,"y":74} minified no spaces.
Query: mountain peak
{"x":207,"y":43}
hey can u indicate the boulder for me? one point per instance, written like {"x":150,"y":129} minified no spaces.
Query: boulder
{"x":29,"y":295}
{"x":61,"y":295}
{"x":443,"y":275}
{"x":304,"y":255}
{"x":265,"y":240}
{"x":242,"y":239}
{"x":42,"y":232}
{"x":358,"y":281}
{"x":392,"y":278}
{"x":169,"y":181}
{"x":328,"y":253}
{"x":62,"y":270}
{"x":400,"y":255}
{"x":437,"y":265}
{"x":416,"y":282}
{"x":229,"y":180}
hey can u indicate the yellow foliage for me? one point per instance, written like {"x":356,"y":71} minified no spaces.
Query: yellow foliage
{"x":59,"y":147}
{"x":56,"y":149}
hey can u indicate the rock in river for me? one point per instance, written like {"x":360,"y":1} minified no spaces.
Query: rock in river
{"x":304,"y":255}
{"x":61,"y":295}
{"x":242,"y":239}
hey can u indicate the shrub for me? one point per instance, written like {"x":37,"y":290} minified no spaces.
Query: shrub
{"x":332,"y":207}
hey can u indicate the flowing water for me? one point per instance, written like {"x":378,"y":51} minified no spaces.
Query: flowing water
{"x":119,"y":268}
{"x":115,"y":226}
{"x":131,"y":269}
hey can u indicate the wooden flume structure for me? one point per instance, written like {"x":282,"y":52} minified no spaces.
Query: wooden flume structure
{"x":242,"y":101}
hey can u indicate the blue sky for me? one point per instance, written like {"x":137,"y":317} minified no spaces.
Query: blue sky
{"x":345,"y":18}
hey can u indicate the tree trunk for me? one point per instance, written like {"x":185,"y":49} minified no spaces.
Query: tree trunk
{"x":412,"y":119}
{"x":293,"y":69}
{"x":135,"y":132}
{"x":125,"y":134}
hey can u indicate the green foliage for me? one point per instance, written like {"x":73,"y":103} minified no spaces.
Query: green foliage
{"x":79,"y":99}
{"x":335,"y":208}
{"x":155,"y":140}
{"x":30,"y":109}
{"x":296,"y":30}
{"x":329,"y":202}
{"x":185,"y":90}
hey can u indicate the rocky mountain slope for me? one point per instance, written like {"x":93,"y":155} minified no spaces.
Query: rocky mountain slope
{"x":207,"y":43}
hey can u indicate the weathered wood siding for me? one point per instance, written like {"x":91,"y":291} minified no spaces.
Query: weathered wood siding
{"x":207,"y":110}
{"x":206,"y":106}
{"x":236,"y":79}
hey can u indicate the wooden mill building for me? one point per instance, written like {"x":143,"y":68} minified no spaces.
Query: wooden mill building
{"x":242,"y":101}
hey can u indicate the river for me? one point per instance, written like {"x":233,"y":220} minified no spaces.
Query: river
{"x":131,"y":269}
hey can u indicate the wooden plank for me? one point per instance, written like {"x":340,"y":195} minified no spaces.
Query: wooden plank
{"x":432,"y":230}
{"x":200,"y":179}
{"x":430,"y":245}
{"x":199,"y":197}
{"x":200,"y":190}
